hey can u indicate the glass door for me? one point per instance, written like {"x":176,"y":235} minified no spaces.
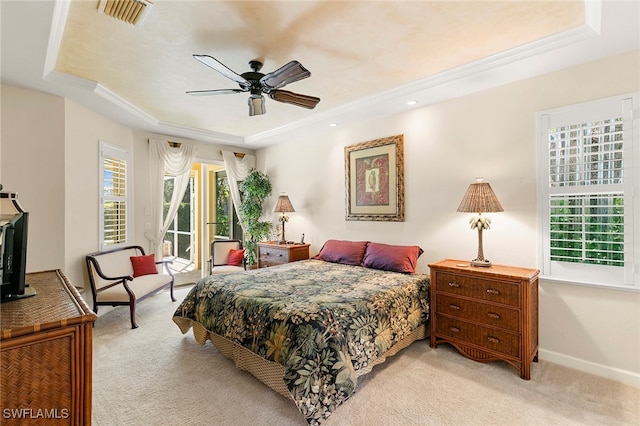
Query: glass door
{"x":179,"y":239}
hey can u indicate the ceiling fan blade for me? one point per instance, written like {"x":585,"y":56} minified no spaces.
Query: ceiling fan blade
{"x":293,"y":71}
{"x":285,"y":96}
{"x":222,"y":69}
{"x":214,"y":92}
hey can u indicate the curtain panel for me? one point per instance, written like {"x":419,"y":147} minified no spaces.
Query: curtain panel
{"x":166,"y":160}
{"x":237,"y":170}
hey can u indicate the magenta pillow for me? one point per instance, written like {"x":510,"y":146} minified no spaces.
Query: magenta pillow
{"x":392,"y":258}
{"x":235,"y":257}
{"x":144,"y":265}
{"x":345,"y":252}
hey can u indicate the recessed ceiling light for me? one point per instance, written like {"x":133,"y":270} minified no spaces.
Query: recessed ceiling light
{"x":412,"y":102}
{"x":333,"y":125}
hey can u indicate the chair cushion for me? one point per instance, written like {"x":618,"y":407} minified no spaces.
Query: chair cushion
{"x":144,"y":265}
{"x":140,"y":286}
{"x":235,"y":257}
{"x":224,"y":269}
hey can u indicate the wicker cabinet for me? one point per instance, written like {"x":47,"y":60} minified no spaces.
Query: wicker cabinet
{"x":271,"y":253}
{"x":45,"y":354}
{"x":486,"y":313}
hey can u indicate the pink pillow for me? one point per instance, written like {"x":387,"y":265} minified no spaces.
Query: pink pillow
{"x":345,"y":252}
{"x":144,"y":265}
{"x":392,"y":258}
{"x":235,"y":257}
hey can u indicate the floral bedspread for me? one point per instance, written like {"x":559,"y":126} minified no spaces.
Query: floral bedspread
{"x":322,"y":321}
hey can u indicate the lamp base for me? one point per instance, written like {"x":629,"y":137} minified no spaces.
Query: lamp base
{"x":477,"y":262}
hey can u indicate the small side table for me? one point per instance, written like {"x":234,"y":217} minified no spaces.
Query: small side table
{"x":271,"y":253}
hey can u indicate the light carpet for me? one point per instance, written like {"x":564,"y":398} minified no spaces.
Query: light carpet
{"x":154,"y":375}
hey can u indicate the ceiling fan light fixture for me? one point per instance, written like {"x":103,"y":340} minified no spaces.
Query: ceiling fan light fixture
{"x":256,"y":105}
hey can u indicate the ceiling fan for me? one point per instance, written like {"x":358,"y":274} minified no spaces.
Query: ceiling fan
{"x":257,"y":83}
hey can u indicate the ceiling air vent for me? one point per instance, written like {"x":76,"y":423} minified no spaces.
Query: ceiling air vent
{"x":132,"y":11}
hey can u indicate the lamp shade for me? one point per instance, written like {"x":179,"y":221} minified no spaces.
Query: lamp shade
{"x":283,"y":205}
{"x":479,"y":198}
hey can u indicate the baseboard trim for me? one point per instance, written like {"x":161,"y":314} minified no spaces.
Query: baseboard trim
{"x":624,"y":376}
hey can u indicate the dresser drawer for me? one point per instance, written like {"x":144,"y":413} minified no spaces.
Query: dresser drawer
{"x":497,"y":316}
{"x":497,"y":340}
{"x":478,"y":288}
{"x":270,"y":256}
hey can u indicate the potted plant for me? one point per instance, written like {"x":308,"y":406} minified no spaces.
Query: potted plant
{"x":254,"y":189}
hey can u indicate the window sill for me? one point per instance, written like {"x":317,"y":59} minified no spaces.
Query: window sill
{"x":554,"y":280}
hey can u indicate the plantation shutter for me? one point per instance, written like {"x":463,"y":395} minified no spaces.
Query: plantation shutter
{"x":114,"y":196}
{"x":588,"y":227}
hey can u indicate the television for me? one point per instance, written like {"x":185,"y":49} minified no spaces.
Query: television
{"x":13,"y":249}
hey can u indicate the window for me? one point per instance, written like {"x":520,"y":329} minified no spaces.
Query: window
{"x":114,"y":196}
{"x":586,"y":164}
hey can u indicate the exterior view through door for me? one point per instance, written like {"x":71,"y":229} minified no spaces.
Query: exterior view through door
{"x":206,"y":213}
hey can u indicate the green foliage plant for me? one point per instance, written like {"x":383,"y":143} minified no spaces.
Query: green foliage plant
{"x":254,"y":190}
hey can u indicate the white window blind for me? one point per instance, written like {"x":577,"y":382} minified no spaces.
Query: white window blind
{"x":114,"y":197}
{"x":586,"y":197}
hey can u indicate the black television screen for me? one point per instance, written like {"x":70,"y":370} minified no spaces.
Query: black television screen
{"x":14,"y":258}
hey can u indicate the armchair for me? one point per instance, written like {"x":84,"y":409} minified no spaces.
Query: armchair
{"x":219,"y":260}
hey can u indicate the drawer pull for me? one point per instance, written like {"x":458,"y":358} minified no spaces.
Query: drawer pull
{"x":493,"y":339}
{"x":492,"y":291}
{"x":455,"y":307}
{"x":493,"y":315}
{"x":454,"y":329}
{"x":454,"y":284}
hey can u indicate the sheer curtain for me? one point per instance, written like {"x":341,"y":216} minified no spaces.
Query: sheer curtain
{"x":165,"y":160}
{"x":237,"y":170}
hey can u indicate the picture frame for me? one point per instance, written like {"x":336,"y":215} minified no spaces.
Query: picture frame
{"x":374,"y":180}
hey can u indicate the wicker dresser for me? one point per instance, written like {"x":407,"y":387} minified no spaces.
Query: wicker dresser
{"x":45,"y":352}
{"x":486,"y":313}
{"x":270,"y":253}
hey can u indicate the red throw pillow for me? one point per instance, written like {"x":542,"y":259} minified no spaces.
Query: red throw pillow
{"x":392,"y":258}
{"x":235,"y":257}
{"x":345,"y":252}
{"x":144,"y":265}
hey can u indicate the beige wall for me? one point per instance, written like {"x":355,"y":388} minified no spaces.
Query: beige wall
{"x":84,"y":131}
{"x":490,"y":134}
{"x":33,"y":165}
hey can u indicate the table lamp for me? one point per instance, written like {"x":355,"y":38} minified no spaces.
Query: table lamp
{"x":479,"y":199}
{"x":283,"y":206}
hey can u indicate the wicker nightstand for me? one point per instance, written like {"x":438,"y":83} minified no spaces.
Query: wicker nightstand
{"x":270,"y":253}
{"x":487,"y":313}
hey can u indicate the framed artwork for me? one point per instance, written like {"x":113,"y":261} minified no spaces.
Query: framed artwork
{"x":374,"y":176}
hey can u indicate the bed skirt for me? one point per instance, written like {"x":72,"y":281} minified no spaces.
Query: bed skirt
{"x":271,"y":373}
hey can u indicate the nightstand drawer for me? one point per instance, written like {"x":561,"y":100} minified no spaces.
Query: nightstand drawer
{"x":273,"y":253}
{"x":273,"y":256}
{"x":497,"y":316}
{"x":478,"y":288}
{"x":497,"y":340}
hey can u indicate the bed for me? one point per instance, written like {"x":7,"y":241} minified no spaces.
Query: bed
{"x":309,"y":329}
